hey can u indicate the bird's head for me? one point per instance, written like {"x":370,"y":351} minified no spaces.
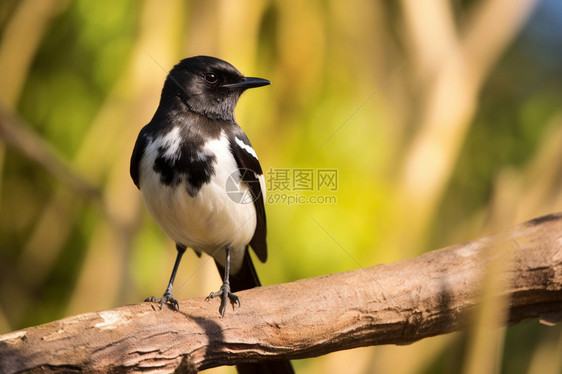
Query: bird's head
{"x":208,"y":86}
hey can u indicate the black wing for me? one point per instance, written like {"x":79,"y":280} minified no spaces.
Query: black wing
{"x":136,"y":158}
{"x":246,"y":158}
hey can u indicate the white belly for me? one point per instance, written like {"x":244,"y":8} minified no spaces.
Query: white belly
{"x":208,"y":222}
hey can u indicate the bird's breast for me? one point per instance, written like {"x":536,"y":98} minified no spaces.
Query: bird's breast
{"x":185,"y":192}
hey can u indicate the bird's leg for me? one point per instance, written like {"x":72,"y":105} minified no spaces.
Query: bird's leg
{"x":224,"y":292}
{"x":168,"y":296}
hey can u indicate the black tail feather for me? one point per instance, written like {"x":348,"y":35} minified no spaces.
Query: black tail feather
{"x":245,"y":279}
{"x":271,"y":367}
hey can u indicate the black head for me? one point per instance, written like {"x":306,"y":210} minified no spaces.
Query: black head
{"x":208,"y":86}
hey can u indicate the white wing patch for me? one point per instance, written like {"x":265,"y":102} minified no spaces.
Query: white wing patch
{"x":171,"y":143}
{"x":246,"y":147}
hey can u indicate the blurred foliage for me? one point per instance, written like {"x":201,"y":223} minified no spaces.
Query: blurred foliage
{"x":443,"y":122}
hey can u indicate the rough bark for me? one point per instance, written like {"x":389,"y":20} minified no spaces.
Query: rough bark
{"x":397,"y":303}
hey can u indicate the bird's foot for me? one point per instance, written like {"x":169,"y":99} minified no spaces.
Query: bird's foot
{"x":166,"y":299}
{"x":225,"y":295}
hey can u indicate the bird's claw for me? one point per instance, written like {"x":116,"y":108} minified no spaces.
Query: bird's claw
{"x":225,"y":295}
{"x":166,"y":299}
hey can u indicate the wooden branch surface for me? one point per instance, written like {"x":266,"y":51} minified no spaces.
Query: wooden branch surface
{"x":431,"y":295}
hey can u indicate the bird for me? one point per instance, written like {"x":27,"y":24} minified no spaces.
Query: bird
{"x":202,"y":182}
{"x":182,"y":161}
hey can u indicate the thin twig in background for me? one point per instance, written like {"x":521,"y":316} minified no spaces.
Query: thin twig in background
{"x":23,"y":139}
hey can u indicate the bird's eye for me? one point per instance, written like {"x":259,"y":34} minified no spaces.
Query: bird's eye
{"x":211,"y":78}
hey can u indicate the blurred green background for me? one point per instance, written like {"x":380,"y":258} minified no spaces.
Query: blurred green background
{"x":442,"y":118}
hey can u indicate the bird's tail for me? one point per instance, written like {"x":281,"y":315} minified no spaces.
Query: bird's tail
{"x":267,"y":367}
{"x":247,"y":278}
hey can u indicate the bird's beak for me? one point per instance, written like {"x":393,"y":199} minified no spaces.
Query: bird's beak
{"x":247,"y":83}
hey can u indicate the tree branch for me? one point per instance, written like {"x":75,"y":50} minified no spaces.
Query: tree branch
{"x":397,"y":303}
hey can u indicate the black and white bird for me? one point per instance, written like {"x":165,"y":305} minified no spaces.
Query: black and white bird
{"x":187,"y":160}
{"x":183,"y":160}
